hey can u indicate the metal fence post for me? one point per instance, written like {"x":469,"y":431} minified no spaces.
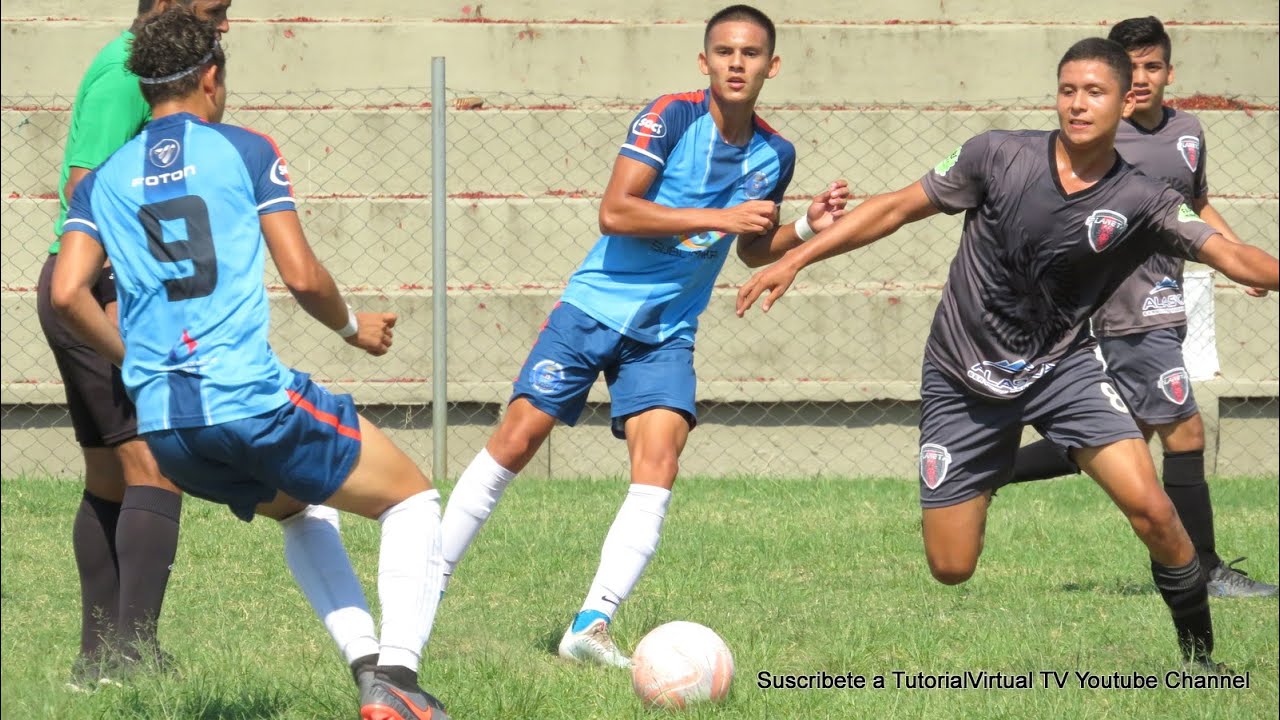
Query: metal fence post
{"x":439,"y":278}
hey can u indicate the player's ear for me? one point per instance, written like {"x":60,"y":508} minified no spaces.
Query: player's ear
{"x":775,"y":64}
{"x":1170,"y":80}
{"x":702,"y":63}
{"x":1130,"y":103}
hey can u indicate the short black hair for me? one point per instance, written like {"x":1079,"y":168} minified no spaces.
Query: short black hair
{"x":743,"y":13}
{"x":1104,"y":50}
{"x":178,"y":45}
{"x":1141,"y":33}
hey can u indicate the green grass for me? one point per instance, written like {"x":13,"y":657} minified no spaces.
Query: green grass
{"x":798,"y":576}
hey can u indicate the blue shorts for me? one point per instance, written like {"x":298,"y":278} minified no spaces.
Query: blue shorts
{"x":304,"y":449}
{"x":574,"y":348}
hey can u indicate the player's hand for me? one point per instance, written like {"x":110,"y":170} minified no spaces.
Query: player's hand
{"x":752,"y":217}
{"x":1256,"y":292}
{"x":828,"y":205}
{"x":772,"y":281}
{"x":374,"y":333}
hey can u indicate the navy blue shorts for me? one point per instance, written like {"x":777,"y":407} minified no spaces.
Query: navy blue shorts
{"x":574,"y":348}
{"x":304,"y":449}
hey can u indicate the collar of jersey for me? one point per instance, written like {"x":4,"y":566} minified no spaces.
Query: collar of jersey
{"x":174,"y":119}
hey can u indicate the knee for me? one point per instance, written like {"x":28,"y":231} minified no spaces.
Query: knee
{"x":952,"y":571}
{"x":1155,"y":515}
{"x":655,"y":464}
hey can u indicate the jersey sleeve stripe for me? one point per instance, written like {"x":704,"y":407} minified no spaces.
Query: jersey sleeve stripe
{"x":274,"y":147}
{"x":662,"y":103}
{"x":760,"y":123}
{"x":277,"y":200}
{"x":322,"y":416}
{"x":642,"y":151}
{"x":86,"y":223}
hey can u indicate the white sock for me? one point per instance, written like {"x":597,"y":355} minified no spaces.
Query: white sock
{"x":628,"y":548}
{"x":409,"y":575}
{"x":316,"y":557}
{"x":472,"y":500}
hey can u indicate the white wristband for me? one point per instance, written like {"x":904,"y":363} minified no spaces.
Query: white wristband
{"x":803,"y":231}
{"x":353,"y":325}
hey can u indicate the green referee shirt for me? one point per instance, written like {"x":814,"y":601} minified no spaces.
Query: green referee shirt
{"x":108,"y":112}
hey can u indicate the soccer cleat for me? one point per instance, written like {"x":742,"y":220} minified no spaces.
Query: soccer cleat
{"x":593,"y":645}
{"x":1207,"y":667}
{"x":87,"y":675}
{"x":1226,"y":581}
{"x":380,"y":699}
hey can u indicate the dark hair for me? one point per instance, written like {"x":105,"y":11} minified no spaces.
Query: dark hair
{"x":742,"y":13}
{"x":1106,"y":51}
{"x":174,"y":47}
{"x":1141,"y":33}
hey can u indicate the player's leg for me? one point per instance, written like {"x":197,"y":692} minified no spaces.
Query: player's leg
{"x":966,"y":448}
{"x":652,"y":389}
{"x":1184,"y":481}
{"x":93,"y":542}
{"x":1125,"y":470}
{"x":1081,"y":409}
{"x":342,"y":460}
{"x":552,"y":386}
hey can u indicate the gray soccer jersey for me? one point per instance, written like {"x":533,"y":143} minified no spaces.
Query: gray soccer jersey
{"x":1034,"y":261}
{"x":1152,"y":297}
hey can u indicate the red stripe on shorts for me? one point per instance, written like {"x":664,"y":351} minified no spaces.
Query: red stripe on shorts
{"x":322,"y":416}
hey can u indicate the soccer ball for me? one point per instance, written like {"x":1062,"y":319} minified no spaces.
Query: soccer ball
{"x":681,"y":663}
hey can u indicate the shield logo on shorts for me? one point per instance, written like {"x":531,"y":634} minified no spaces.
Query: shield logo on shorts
{"x":1189,"y":149}
{"x":546,"y":376}
{"x":1105,"y":228}
{"x":1176,"y":385}
{"x":934,"y":463}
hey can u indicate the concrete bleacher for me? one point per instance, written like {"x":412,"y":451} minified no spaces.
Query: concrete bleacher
{"x":875,"y":92}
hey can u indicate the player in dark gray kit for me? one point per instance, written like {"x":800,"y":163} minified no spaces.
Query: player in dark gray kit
{"x":1141,"y":328}
{"x":1054,"y":223}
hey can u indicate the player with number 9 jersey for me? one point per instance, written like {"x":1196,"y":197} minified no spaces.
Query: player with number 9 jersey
{"x":190,"y":240}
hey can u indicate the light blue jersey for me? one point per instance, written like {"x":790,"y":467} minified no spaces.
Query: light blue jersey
{"x":653,"y":288}
{"x":177,"y":209}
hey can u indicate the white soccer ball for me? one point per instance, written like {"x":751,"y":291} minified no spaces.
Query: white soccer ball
{"x":681,"y":663}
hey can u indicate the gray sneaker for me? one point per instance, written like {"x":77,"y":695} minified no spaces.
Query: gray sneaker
{"x":1226,"y":581}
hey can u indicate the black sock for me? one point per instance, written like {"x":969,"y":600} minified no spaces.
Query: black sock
{"x":1042,"y":460}
{"x":147,"y":540}
{"x":398,"y":675}
{"x":1184,"y":591}
{"x":93,"y":540}
{"x":1185,"y":485}
{"x":362,"y":663}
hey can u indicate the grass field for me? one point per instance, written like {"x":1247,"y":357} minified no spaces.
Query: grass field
{"x":798,"y":576}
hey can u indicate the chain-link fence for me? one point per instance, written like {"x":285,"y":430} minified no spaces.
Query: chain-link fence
{"x":826,"y":383}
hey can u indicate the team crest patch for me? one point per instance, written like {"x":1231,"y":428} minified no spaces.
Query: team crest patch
{"x":546,"y":376}
{"x":755,"y":186}
{"x":1105,"y":228}
{"x":947,"y":163}
{"x":1189,"y":149}
{"x":165,"y":153}
{"x":1176,"y":385}
{"x":1186,"y":214}
{"x":934,"y":463}
{"x":280,"y":172}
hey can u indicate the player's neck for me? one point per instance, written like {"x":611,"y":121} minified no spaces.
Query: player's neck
{"x":1078,"y":167}
{"x":174,"y":107}
{"x":1150,"y":118}
{"x":735,"y":121}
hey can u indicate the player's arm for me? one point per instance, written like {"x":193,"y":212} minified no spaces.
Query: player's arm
{"x":878,"y":217}
{"x":1213,"y":218}
{"x":314,"y":289}
{"x":79,"y":262}
{"x":827,"y":207}
{"x":625,"y":211}
{"x":1242,"y":263}
{"x":77,"y":174}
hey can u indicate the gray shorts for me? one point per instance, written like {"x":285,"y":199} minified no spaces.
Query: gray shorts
{"x":1151,"y":375}
{"x":968,"y":443}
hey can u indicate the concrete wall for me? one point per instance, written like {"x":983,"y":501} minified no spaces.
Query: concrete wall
{"x":826,"y":383}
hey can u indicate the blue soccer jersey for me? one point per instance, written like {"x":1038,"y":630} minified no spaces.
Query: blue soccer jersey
{"x":177,"y":210}
{"x":653,"y":288}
